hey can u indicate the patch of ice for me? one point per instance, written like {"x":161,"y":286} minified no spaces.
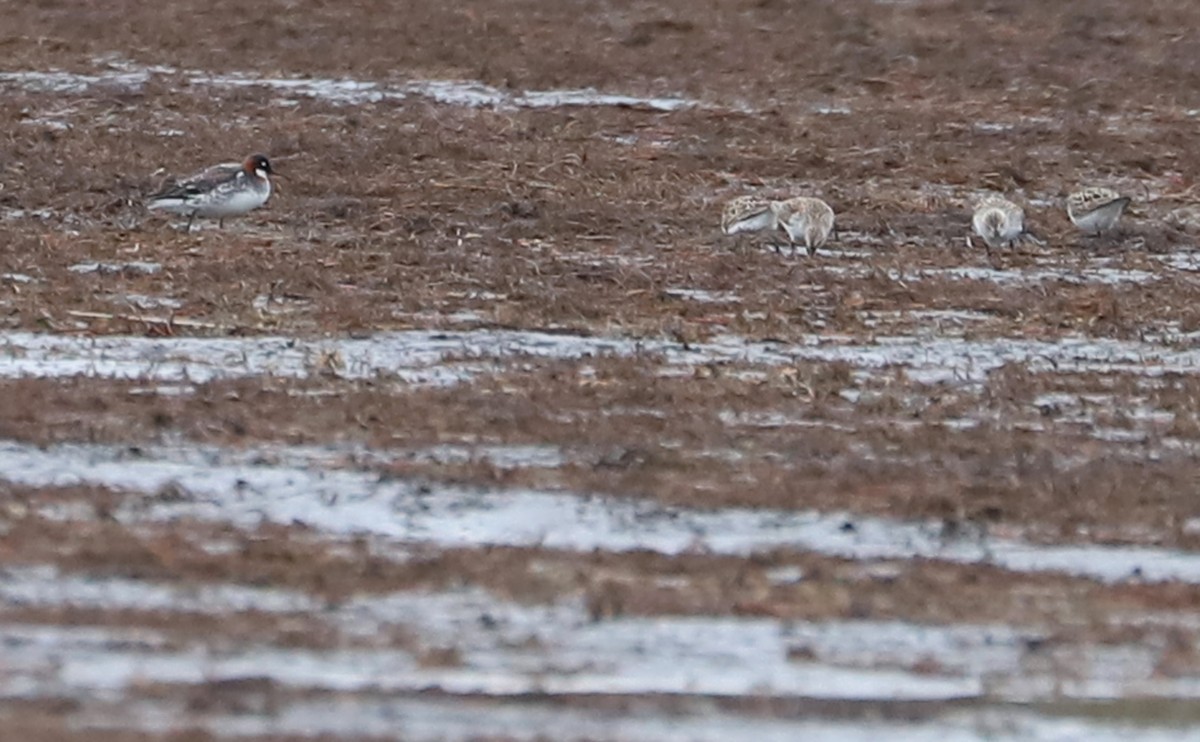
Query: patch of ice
{"x":339,"y":90}
{"x":626,"y":139}
{"x":26,"y":214}
{"x":704,"y":297}
{"x":505,"y":648}
{"x":135,"y":266}
{"x":458,"y":93}
{"x":788,"y":575}
{"x":70,"y":82}
{"x":1187,"y":260}
{"x":1088,"y":275}
{"x":446,"y":357}
{"x":165,"y":390}
{"x":142,"y":301}
{"x":44,"y":587}
{"x":343,"y":502}
{"x":1091,"y":409}
{"x":460,"y":719}
{"x":957,"y":316}
{"x":501,"y":457}
{"x":708,"y":657}
{"x":49,"y":123}
{"x":780,"y":420}
{"x":589,"y":97}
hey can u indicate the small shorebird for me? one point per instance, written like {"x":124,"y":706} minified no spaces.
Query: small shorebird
{"x":221,"y":191}
{"x":1095,"y":210}
{"x":747,"y":214}
{"x":998,"y":221}
{"x":804,"y":219}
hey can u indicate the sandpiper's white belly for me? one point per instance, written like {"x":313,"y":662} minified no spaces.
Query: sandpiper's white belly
{"x":755,"y":223}
{"x":795,"y":224}
{"x":1101,"y":219}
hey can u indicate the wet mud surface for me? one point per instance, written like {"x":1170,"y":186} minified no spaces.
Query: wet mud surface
{"x":481,"y":430}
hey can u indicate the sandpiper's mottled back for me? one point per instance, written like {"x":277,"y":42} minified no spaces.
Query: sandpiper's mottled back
{"x":1096,"y":209}
{"x":805,"y":219}
{"x":747,"y":214}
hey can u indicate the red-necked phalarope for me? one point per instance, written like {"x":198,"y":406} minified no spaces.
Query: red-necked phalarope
{"x":225,"y":190}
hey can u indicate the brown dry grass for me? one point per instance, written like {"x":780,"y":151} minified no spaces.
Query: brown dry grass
{"x":787,"y":440}
{"x":402,"y":214}
{"x":610,"y":584}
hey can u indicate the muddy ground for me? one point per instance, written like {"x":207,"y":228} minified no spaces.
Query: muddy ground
{"x":611,"y":443}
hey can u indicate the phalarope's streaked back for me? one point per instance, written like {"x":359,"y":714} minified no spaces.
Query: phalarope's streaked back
{"x":1096,"y":210}
{"x":998,"y":221}
{"x":805,"y":219}
{"x":225,"y":190}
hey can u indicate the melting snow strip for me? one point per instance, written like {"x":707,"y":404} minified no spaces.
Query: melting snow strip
{"x":344,"y":502}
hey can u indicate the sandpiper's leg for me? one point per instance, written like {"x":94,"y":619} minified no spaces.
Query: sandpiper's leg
{"x":220,"y":222}
{"x":191,"y":218}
